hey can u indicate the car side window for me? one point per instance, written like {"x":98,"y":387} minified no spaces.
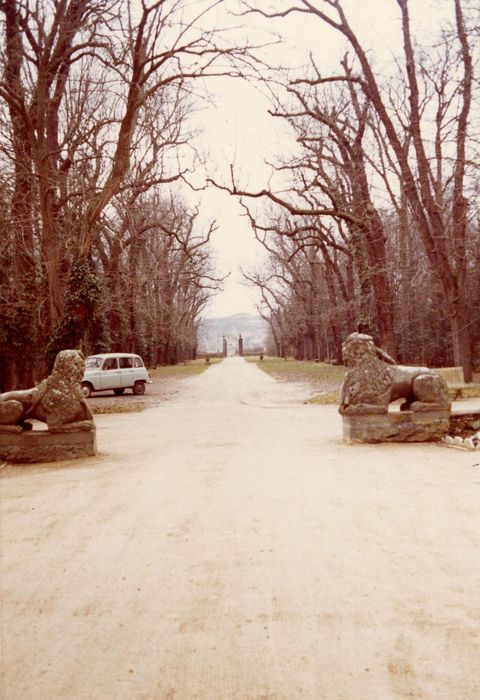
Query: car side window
{"x":125,"y":362}
{"x":93,"y":362}
{"x":138,"y":362}
{"x":110,"y":363}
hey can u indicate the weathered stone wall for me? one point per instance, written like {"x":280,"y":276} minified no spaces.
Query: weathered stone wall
{"x":464,"y":422}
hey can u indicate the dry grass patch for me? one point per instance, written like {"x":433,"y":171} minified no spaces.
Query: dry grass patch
{"x":183,"y":369}
{"x":468,"y":391}
{"x":326,"y":397}
{"x":324,"y":378}
{"x":117,"y":408}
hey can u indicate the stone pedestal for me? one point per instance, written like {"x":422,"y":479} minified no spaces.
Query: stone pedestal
{"x":42,"y":446}
{"x":404,"y":426}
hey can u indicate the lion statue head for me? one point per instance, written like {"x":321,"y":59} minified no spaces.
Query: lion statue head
{"x":63,"y":401}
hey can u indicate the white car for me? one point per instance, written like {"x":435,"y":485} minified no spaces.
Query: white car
{"x":116,"y":371}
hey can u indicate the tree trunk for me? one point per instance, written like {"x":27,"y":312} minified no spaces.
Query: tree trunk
{"x":462,"y":342}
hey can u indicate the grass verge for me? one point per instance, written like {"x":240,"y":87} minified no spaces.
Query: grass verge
{"x":183,"y":369}
{"x":117,"y":408}
{"x":324,"y":378}
{"x":469,"y":391}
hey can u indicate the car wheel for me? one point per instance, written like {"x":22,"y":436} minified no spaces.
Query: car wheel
{"x":139,"y":388}
{"x":118,"y":392}
{"x":87,"y":389}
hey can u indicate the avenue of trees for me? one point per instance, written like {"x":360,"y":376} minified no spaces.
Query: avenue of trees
{"x":97,"y":250}
{"x":375,"y":218}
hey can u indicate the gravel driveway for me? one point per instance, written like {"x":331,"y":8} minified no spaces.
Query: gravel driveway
{"x":226,"y":545}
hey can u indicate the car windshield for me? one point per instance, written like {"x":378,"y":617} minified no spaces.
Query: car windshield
{"x":92,"y":362}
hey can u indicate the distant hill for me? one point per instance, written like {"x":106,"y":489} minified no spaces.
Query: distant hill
{"x":252,"y":328}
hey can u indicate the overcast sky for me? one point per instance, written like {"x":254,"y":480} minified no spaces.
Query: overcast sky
{"x":238,"y":129}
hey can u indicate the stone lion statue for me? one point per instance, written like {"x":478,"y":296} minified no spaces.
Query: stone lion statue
{"x":373,"y":380}
{"x":57,"y":401}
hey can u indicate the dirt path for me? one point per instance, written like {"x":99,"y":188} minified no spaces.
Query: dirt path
{"x":227,"y":545}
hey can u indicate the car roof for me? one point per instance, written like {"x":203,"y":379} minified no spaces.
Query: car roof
{"x":114,"y":354}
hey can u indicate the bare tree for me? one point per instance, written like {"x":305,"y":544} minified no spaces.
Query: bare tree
{"x":433,"y":170}
{"x":158,"y":276}
{"x":303,"y":289}
{"x":80,"y":84}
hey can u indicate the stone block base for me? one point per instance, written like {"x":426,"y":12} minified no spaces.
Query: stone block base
{"x":41,"y":446}
{"x":404,"y":426}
